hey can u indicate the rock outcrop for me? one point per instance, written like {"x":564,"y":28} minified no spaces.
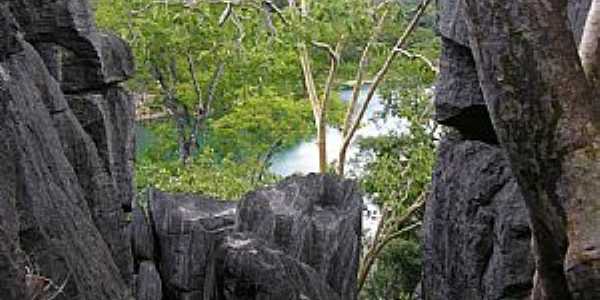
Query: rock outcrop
{"x":66,"y":156}
{"x":297,"y":240}
{"x":477,"y":238}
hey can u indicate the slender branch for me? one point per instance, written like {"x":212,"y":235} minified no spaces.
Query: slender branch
{"x":360,"y":73}
{"x":424,"y":59}
{"x":197,"y":90}
{"x":212,"y":87}
{"x":373,"y":254}
{"x":383,"y":236}
{"x":378,"y":79}
{"x":309,"y":81}
{"x":334,"y":54}
{"x":267,"y":158}
{"x":225,"y":14}
{"x":334,"y":57}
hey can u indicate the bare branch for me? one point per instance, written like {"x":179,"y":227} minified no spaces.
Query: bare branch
{"x":225,"y":15}
{"x":378,"y":79}
{"x":389,"y":230}
{"x":334,"y":54}
{"x":60,"y":288}
{"x":309,"y":81}
{"x":192,"y":70}
{"x":212,"y":86}
{"x":360,"y":73}
{"x":424,"y":59}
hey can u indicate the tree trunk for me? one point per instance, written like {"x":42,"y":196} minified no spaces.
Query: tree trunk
{"x":589,"y":49}
{"x":541,"y":106}
{"x":322,"y":144}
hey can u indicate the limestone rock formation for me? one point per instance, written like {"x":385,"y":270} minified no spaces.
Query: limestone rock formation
{"x":249,"y":269}
{"x":61,"y":215}
{"x":476,"y":231}
{"x":297,"y":240}
{"x":188,"y":230}
{"x":315,"y":220}
{"x":66,"y":158}
{"x":477,"y":241}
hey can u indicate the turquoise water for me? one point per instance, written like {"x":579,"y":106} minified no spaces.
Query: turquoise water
{"x":304,"y":158}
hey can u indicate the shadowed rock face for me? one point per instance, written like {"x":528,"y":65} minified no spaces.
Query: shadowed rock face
{"x":188,"y":230}
{"x":315,"y":220}
{"x":247,"y":268}
{"x":477,"y":240}
{"x":63,"y":197}
{"x":297,"y":240}
{"x":476,"y":231}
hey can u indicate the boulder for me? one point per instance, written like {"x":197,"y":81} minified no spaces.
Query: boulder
{"x":299,"y":239}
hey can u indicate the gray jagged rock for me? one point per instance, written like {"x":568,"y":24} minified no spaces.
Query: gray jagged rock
{"x":315,"y":220}
{"x":451,"y":21}
{"x":142,"y":237}
{"x":477,"y":237}
{"x":248,"y":269}
{"x":188,"y":230}
{"x":56,"y":227}
{"x":305,"y":232}
{"x":65,"y":30}
{"x":458,"y":100}
{"x":65,"y":194}
{"x":148,"y":283}
{"x":108,"y":117}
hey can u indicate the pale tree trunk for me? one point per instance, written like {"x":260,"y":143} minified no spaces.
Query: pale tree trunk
{"x":541,"y":106}
{"x":318,"y":112}
{"x":589,"y":49}
{"x":319,"y":104}
{"x":322,"y":145}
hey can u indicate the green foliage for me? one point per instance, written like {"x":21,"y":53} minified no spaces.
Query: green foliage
{"x":227,"y":179}
{"x":401,"y":169}
{"x":398,"y":272}
{"x":254,"y":125}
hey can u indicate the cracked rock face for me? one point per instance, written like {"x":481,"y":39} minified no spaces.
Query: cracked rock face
{"x":297,"y":240}
{"x":477,"y":237}
{"x":63,"y":183}
{"x":66,"y":156}
{"x":476,"y":231}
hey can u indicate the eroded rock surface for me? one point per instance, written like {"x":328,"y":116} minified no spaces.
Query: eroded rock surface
{"x":298,"y":240}
{"x":476,"y":232}
{"x":61,"y":216}
{"x":247,"y":268}
{"x":477,"y":241}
